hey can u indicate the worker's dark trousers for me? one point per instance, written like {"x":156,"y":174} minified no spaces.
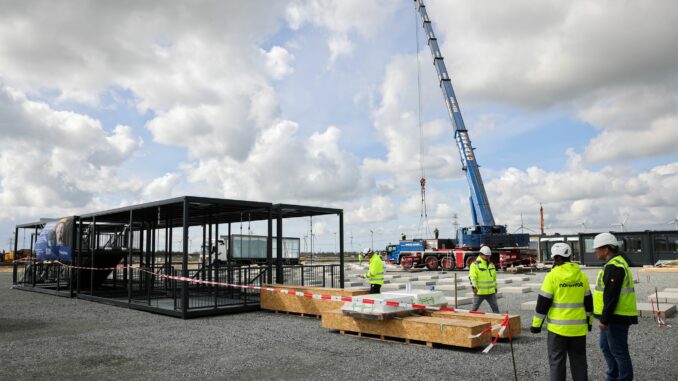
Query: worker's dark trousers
{"x":562,"y":347}
{"x":491,"y":300}
{"x":614,"y":342}
{"x":375,"y":288}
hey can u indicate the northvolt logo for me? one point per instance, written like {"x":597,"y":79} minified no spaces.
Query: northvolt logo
{"x":578,"y":284}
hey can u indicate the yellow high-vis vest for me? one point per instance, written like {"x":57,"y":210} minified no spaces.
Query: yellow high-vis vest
{"x":376,"y":271}
{"x":626,"y":306}
{"x":567,"y":286}
{"x":483,"y":276}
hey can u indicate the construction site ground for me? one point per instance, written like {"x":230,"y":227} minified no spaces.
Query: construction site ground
{"x":48,"y":337}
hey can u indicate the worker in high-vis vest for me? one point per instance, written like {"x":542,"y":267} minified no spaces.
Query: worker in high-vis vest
{"x":375,"y":273}
{"x":614,"y":305}
{"x":565,"y":302}
{"x":483,"y":278}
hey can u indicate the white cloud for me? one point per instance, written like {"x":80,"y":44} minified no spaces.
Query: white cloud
{"x":380,"y":209}
{"x":278,"y":61}
{"x":58,"y":159}
{"x":161,"y":187}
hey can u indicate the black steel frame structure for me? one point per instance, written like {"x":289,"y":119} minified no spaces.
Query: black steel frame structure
{"x":127,"y":241}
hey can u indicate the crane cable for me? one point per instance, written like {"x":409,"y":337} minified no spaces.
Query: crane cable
{"x":423,"y":229}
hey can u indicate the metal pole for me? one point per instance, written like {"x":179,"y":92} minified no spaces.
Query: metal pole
{"x":279,"y":249}
{"x":93,"y":245}
{"x":130,"y":245}
{"x":341,"y":249}
{"x":269,"y":247}
{"x":184,"y":264}
{"x":455,"y":290}
{"x":16,"y":247}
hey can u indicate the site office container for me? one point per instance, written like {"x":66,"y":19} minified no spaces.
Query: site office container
{"x":639,"y":248}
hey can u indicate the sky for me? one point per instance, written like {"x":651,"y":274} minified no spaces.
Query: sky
{"x":569,"y":104}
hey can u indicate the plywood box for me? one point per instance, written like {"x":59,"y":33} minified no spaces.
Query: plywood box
{"x":492,"y":319}
{"x":427,"y":329}
{"x":292,"y":303}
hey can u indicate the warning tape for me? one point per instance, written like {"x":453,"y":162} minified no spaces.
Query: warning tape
{"x":346,"y":299}
{"x":29,"y":261}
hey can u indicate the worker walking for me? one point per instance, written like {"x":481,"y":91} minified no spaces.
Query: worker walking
{"x":436,"y":233}
{"x":483,"y":278}
{"x":614,"y":305}
{"x":566,"y":303}
{"x":375,"y":273}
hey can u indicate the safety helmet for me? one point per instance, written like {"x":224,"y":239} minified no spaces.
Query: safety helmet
{"x":605,"y":239}
{"x":485,"y":250}
{"x":367,"y":250}
{"x":561,"y":249}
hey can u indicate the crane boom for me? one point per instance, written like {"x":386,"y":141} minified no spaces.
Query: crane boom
{"x":484,"y":230}
{"x":480,"y":206}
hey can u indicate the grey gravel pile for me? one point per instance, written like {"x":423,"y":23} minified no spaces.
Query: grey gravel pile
{"x":48,"y":337}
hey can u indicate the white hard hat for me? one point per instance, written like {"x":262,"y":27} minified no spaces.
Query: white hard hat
{"x":485,"y":250}
{"x":367,"y":251}
{"x":562,"y":249}
{"x":604,"y":239}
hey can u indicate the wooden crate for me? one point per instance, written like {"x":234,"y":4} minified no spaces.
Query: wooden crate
{"x":295,"y":304}
{"x":426,"y":329}
{"x":492,"y":319}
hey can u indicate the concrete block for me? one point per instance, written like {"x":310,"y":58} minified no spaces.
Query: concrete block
{"x":519,"y":278}
{"x":529,"y":306}
{"x":470,"y":294}
{"x":461,"y":301}
{"x":516,"y":290}
{"x":504,"y":281}
{"x":533,"y":286}
{"x":650,"y":309}
{"x":355,"y":284}
{"x":420,"y":283}
{"x":664,"y":297}
{"x":671,"y":290}
{"x":447,"y":280}
{"x":394,"y":286}
{"x":378,"y":308}
{"x":425,"y":297}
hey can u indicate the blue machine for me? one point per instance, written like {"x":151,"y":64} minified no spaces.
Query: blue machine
{"x":393,"y":251}
{"x":484,"y":229}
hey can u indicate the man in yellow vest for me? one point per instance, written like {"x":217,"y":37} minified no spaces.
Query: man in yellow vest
{"x":483,"y":278}
{"x":566,"y":303}
{"x":375,"y":273}
{"x":614,"y":305}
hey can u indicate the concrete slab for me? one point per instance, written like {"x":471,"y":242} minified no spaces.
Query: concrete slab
{"x":664,"y":297}
{"x":428,"y":277}
{"x":420,"y":283}
{"x":470,"y":294}
{"x":394,"y":286}
{"x":671,"y":290}
{"x":504,"y":281}
{"x":447,"y":280}
{"x":533,"y":286}
{"x":529,"y":306}
{"x":650,"y":309}
{"x":516,"y":290}
{"x":461,"y":301}
{"x":519,"y":278}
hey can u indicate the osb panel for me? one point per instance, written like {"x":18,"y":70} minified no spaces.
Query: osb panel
{"x":292,"y":303}
{"x":422,"y":328}
{"x":514,"y":320}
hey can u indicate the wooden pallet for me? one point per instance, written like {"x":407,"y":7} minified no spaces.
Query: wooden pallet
{"x":413,"y":329}
{"x":392,"y":339}
{"x":306,"y":315}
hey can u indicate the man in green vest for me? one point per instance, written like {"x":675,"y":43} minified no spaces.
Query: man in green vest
{"x":483,"y":278}
{"x":375,"y":273}
{"x":566,"y":303}
{"x":614,"y":305}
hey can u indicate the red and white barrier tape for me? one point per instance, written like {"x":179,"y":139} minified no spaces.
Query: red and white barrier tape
{"x":503,"y":324}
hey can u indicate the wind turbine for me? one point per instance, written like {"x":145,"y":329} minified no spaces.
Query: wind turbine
{"x":675,"y":220}
{"x":622,"y":224}
{"x":522,"y":227}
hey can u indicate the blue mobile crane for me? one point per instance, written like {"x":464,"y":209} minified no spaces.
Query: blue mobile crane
{"x":484,"y":230}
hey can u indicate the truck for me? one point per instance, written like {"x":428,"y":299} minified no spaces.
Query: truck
{"x":510,"y":249}
{"x":434,"y":254}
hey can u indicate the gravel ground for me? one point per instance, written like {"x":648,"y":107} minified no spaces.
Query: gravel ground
{"x":48,"y":337}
